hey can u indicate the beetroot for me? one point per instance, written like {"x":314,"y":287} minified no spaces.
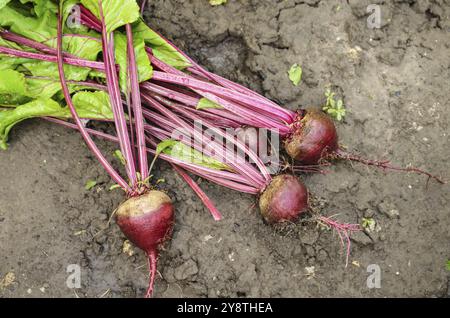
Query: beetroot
{"x":314,"y":137}
{"x":284,"y":199}
{"x":147,"y":221}
{"x":315,"y":140}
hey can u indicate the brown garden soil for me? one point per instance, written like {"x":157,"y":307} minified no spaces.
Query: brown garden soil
{"x":395,"y":83}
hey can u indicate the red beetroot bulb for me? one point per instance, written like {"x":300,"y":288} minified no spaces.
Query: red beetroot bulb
{"x":284,"y":199}
{"x":147,"y":221}
{"x":314,"y":138}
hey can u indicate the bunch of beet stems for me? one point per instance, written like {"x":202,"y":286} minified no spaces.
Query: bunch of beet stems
{"x":241,"y":106}
{"x":244,"y":108}
{"x":244,"y":177}
{"x":49,"y":54}
{"x":167,"y":116}
{"x":147,"y":216}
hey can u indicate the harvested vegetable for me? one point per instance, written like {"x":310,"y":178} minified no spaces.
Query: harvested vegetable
{"x":147,"y":216}
{"x":43,"y":68}
{"x":240,"y":107}
{"x":140,"y":79}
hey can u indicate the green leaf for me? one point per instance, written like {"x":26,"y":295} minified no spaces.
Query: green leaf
{"x":295,"y":74}
{"x":16,"y":84}
{"x":117,"y":13}
{"x":83,"y":47}
{"x":448,"y":265}
{"x":8,"y":100}
{"x":165,"y":144}
{"x":43,"y":29}
{"x":160,"y":48}
{"x":13,"y":88}
{"x":205,"y":103}
{"x":118,"y":154}
{"x":3,"y":3}
{"x":36,"y":108}
{"x":43,"y":87}
{"x":368,"y":224}
{"x":114,"y":186}
{"x":17,"y":89}
{"x":12,"y":82}
{"x":90,"y":184}
{"x":93,"y":105}
{"x":36,"y":28}
{"x":145,"y":70}
{"x":335,"y":109}
{"x":217,"y":2}
{"x":41,"y":6}
{"x":180,"y":151}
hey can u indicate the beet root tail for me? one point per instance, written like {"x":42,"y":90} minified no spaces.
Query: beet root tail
{"x":344,"y":231}
{"x":152,"y":260}
{"x":382,"y":164}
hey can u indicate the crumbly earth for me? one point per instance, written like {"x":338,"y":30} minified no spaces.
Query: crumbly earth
{"x":395,"y":84}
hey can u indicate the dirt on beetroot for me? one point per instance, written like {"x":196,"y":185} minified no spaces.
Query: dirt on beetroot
{"x":394,"y":83}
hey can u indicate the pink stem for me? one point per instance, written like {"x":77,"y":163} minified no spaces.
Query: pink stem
{"x":213,"y":93}
{"x":225,"y":135}
{"x":243,"y":168}
{"x":233,"y":176}
{"x":190,"y":101}
{"x":51,"y":58}
{"x":288,"y":116}
{"x":31,"y":44}
{"x":209,"y":116}
{"x":90,"y":19}
{"x":92,"y":146}
{"x":137,"y":107}
{"x":228,"y":183}
{"x":203,"y":197}
{"x":143,"y":5}
{"x":116,"y":100}
{"x":271,"y":107}
{"x":223,"y":178}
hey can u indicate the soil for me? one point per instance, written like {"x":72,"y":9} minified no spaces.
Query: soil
{"x":394,"y":82}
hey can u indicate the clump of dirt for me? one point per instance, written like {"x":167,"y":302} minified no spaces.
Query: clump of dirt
{"x":394,"y":83}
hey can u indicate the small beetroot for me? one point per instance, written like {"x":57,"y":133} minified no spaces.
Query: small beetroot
{"x":147,"y":221}
{"x":314,"y":137}
{"x":284,"y":199}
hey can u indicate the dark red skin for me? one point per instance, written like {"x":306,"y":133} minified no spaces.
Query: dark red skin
{"x":150,"y":227}
{"x":147,"y":221}
{"x":284,"y":199}
{"x":314,"y":137}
